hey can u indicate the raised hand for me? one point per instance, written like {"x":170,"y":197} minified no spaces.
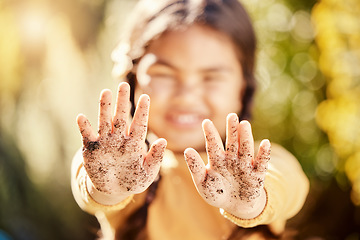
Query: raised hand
{"x":233,"y":179}
{"x":116,"y":159}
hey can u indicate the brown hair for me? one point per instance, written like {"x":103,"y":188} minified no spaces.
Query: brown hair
{"x":151,"y":18}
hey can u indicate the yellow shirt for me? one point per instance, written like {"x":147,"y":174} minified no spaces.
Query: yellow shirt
{"x":179,"y":212}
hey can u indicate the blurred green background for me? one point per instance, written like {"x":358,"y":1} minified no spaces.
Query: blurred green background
{"x":55,"y":59}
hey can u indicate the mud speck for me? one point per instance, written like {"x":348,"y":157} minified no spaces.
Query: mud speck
{"x":91,"y":146}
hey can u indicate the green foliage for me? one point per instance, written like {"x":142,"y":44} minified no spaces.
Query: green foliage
{"x":290,"y":85}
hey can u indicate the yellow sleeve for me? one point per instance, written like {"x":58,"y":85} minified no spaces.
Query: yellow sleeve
{"x":109,"y":217}
{"x":286,"y":187}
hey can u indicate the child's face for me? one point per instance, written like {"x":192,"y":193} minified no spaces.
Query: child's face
{"x":196,"y":75}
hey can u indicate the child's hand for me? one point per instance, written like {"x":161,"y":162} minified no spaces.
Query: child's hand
{"x":116,"y":160}
{"x":233,"y":179}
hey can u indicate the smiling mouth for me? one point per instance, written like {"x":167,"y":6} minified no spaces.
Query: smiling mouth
{"x":185,"y":120}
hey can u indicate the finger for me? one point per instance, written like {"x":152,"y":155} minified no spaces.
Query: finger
{"x":196,"y":165}
{"x":105,"y":112}
{"x":214,"y":146}
{"x":154,"y":157}
{"x":232,"y":144}
{"x":122,"y":108}
{"x":138,"y":126}
{"x":263,"y":157}
{"x":246,"y":143}
{"x":86,"y":131}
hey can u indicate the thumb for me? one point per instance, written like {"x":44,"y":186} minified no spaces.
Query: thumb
{"x":196,"y":165}
{"x":154,"y":157}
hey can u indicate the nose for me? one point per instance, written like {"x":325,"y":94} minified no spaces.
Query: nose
{"x":190,"y":90}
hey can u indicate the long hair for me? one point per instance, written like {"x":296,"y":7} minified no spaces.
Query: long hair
{"x":149,"y":20}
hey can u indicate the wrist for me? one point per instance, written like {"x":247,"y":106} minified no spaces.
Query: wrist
{"x":250,"y":211}
{"x":101,"y":197}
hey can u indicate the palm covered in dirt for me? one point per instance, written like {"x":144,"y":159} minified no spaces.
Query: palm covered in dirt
{"x":117,"y":159}
{"x":233,"y":179}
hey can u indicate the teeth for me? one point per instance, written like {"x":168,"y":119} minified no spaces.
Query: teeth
{"x":186,"y":118}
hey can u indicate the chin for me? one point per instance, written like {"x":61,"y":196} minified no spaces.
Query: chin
{"x":177,"y":147}
{"x":180,"y":139}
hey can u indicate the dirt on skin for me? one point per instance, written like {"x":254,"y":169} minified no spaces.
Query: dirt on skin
{"x":242,"y":180}
{"x":116,"y":162}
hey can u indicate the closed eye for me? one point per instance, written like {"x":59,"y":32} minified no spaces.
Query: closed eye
{"x":214,"y":78}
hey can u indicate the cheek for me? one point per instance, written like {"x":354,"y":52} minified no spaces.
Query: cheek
{"x":157,"y":111}
{"x":221,"y":106}
{"x":137,"y":93}
{"x":157,"y":103}
{"x":228,"y":101}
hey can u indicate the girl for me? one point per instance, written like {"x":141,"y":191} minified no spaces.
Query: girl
{"x":195,"y":60}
